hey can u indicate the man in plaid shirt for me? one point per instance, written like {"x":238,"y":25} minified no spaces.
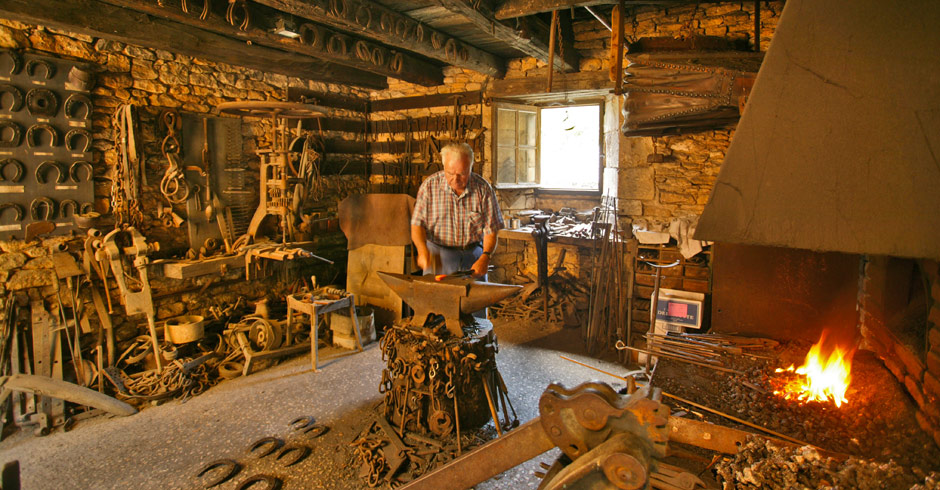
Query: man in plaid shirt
{"x":456,"y":217}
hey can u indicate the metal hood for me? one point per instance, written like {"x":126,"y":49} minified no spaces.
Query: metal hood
{"x":838,"y":148}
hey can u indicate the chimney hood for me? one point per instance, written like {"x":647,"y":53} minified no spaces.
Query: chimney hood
{"x":838,"y":148}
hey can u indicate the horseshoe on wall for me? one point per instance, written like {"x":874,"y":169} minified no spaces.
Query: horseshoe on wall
{"x":17,"y":94}
{"x":48,"y":68}
{"x":74,"y":102}
{"x":17,"y":61}
{"x":18,"y":165}
{"x":42,"y":102}
{"x":15,"y":139}
{"x":75,"y":133}
{"x":70,"y":204}
{"x":13,"y":206}
{"x":312,"y":35}
{"x":75,"y":167}
{"x":32,"y":137}
{"x":44,"y":203}
{"x":42,"y":170}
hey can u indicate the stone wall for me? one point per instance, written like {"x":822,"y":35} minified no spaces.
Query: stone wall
{"x":915,"y":362}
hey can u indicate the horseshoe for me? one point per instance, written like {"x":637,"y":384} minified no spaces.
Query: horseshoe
{"x":48,"y":67}
{"x":17,"y":94}
{"x":70,"y":139}
{"x":368,"y":15}
{"x":378,"y":56}
{"x":71,"y":205}
{"x":317,"y":430}
{"x":15,"y":207}
{"x":232,"y":466}
{"x":31,"y":138}
{"x":75,"y":167}
{"x":337,"y":44}
{"x":273,"y":442}
{"x":401,"y":28}
{"x":396,"y":63}
{"x":437,"y":41}
{"x":362,"y":50}
{"x":41,"y":172}
{"x":15,"y":139}
{"x":18,"y":165}
{"x":301,"y":423}
{"x":312,"y":34}
{"x":48,"y":205}
{"x":42,"y":102}
{"x":419,"y":32}
{"x":339,"y":8}
{"x":17,"y":61}
{"x":385,"y":22}
{"x":271,"y":483}
{"x":74,"y":102}
{"x":299,"y":452}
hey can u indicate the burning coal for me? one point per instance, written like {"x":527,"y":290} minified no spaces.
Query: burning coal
{"x":824,"y":376}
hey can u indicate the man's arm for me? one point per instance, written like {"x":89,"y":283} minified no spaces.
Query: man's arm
{"x":420,"y":238}
{"x":489,"y":246}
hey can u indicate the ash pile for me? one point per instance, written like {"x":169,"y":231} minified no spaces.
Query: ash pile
{"x":441,"y":383}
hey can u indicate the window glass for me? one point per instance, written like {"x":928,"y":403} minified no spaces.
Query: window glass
{"x":570,"y":147}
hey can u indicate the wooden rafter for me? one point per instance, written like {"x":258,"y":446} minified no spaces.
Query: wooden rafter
{"x":372,"y":20}
{"x":531,"y":40}
{"x":100,"y":19}
{"x":350,"y":51}
{"x":510,"y":9}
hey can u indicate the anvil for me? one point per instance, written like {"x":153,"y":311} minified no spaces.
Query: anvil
{"x":448,"y":296}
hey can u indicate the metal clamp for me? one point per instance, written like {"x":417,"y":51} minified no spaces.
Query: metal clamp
{"x":49,"y":68}
{"x":233,"y":468}
{"x":46,"y":204}
{"x":71,"y":205}
{"x":73,"y":103}
{"x":15,"y":138}
{"x":32,"y":139}
{"x":18,"y":165}
{"x":17,"y":94}
{"x":70,"y":139}
{"x":41,"y":172}
{"x":15,"y":207}
{"x":16,"y":60}
{"x":76,"y":166}
{"x":42,"y":102}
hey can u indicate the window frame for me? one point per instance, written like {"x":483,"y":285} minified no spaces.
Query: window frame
{"x":537,"y":186}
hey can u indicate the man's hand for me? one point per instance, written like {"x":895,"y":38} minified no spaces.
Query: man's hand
{"x":481,"y":265}
{"x":423,"y":259}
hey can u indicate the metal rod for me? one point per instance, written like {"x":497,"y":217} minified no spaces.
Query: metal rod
{"x":621,"y":345}
{"x":489,"y":400}
{"x":598,"y":17}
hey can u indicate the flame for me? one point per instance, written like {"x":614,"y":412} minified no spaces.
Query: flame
{"x":824,"y":376}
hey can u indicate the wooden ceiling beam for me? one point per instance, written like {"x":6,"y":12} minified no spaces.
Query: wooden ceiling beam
{"x":95,"y":18}
{"x":350,"y":51}
{"x":532,"y":39}
{"x":511,"y":9}
{"x":372,"y":20}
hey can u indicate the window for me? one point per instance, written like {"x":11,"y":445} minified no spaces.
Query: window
{"x":554,"y":147}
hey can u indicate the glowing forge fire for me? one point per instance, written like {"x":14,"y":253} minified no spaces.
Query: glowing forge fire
{"x":824,"y":376}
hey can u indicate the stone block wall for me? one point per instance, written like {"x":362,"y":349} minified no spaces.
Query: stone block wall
{"x":917,"y":368}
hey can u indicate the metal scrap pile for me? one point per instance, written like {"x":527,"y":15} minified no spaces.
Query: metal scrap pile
{"x":437,"y":392}
{"x":566,"y":222}
{"x":567,"y":303}
{"x":761,"y":464}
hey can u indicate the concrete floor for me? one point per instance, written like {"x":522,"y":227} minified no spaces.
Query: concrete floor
{"x":165,"y":446}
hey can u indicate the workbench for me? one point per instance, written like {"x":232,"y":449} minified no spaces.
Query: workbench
{"x":525,"y":234}
{"x":312,"y":307}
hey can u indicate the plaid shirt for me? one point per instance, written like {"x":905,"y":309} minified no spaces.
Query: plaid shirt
{"x":456,"y":221}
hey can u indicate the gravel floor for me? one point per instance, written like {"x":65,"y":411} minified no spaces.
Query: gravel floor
{"x":165,"y":446}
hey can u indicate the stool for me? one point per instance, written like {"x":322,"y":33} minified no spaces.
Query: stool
{"x":305,"y":304}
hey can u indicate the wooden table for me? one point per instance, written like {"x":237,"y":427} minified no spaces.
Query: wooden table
{"x":303,"y":304}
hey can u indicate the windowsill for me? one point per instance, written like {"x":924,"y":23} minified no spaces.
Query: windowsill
{"x":545,"y":190}
{"x":515,"y":187}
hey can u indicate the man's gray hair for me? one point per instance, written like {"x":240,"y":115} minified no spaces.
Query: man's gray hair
{"x":461,"y":149}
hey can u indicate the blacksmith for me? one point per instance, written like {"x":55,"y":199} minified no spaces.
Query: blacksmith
{"x":456,"y":217}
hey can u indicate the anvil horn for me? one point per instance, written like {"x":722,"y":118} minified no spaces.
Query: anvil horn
{"x":448,"y":297}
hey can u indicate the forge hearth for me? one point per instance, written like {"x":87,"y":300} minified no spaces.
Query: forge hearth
{"x":878,"y":422}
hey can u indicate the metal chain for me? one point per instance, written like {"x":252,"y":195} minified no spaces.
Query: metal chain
{"x":173,"y":186}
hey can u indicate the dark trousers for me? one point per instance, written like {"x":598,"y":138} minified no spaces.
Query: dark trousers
{"x":443,"y":260}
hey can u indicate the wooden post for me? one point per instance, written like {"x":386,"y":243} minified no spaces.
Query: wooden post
{"x":617,"y":24}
